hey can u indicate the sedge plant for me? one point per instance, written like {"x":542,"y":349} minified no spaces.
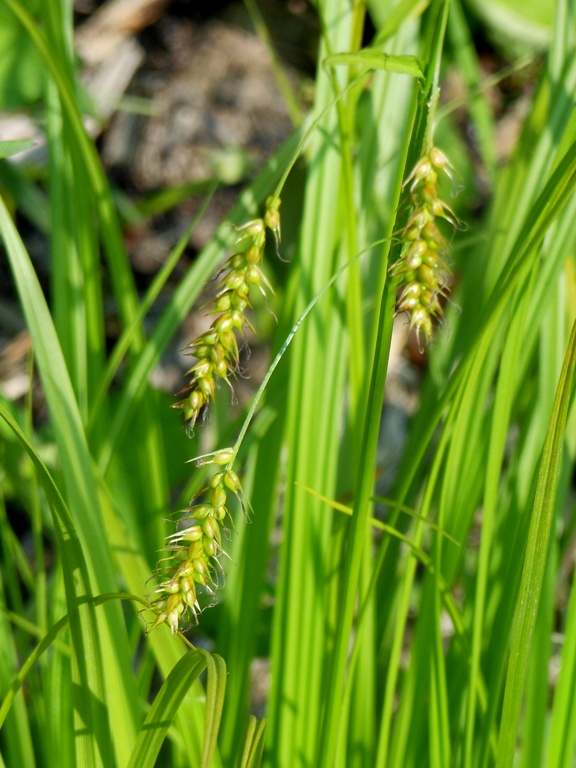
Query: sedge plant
{"x":416,"y":629}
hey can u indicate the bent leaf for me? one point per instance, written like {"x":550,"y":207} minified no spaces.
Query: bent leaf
{"x":378,"y":523}
{"x":168,"y":700}
{"x":371,"y":58}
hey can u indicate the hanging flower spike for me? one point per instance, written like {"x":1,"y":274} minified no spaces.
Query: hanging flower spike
{"x":191,"y":564}
{"x":192,"y":555}
{"x":425,"y":276}
{"x":216,"y":350}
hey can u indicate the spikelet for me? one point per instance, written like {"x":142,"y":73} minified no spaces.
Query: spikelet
{"x":216,"y":351}
{"x":191,"y":561}
{"x":425,"y":276}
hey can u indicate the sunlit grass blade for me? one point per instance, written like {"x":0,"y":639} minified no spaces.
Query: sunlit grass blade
{"x":535,"y":560}
{"x":562,"y":734}
{"x":313,"y":403}
{"x":215,"y":690}
{"x":459,"y":33}
{"x":369,"y":430}
{"x":505,"y":394}
{"x":374,"y":521}
{"x":81,"y":489}
{"x":119,"y":268}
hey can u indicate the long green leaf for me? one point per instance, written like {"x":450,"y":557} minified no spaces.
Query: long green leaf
{"x":216,"y":687}
{"x":81,"y":488}
{"x":253,"y":744}
{"x":535,"y":560}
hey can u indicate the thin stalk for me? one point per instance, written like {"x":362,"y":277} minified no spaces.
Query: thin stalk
{"x":286,"y":344}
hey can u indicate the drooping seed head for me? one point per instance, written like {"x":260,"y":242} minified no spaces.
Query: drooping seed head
{"x":223,"y":324}
{"x":223,"y":302}
{"x":238,"y":261}
{"x":420,"y":171}
{"x":201,"y":568}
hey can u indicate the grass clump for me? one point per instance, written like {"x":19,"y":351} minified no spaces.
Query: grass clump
{"x":381,"y":638}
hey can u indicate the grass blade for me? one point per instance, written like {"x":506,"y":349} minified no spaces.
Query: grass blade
{"x":80,"y":485}
{"x":253,"y":744}
{"x":535,"y":560}
{"x":93,"y":740}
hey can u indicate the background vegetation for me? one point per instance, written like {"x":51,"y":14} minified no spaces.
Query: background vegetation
{"x":435,"y":627}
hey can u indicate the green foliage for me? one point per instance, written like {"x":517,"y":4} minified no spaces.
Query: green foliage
{"x":22,"y":77}
{"x":416,"y":629}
